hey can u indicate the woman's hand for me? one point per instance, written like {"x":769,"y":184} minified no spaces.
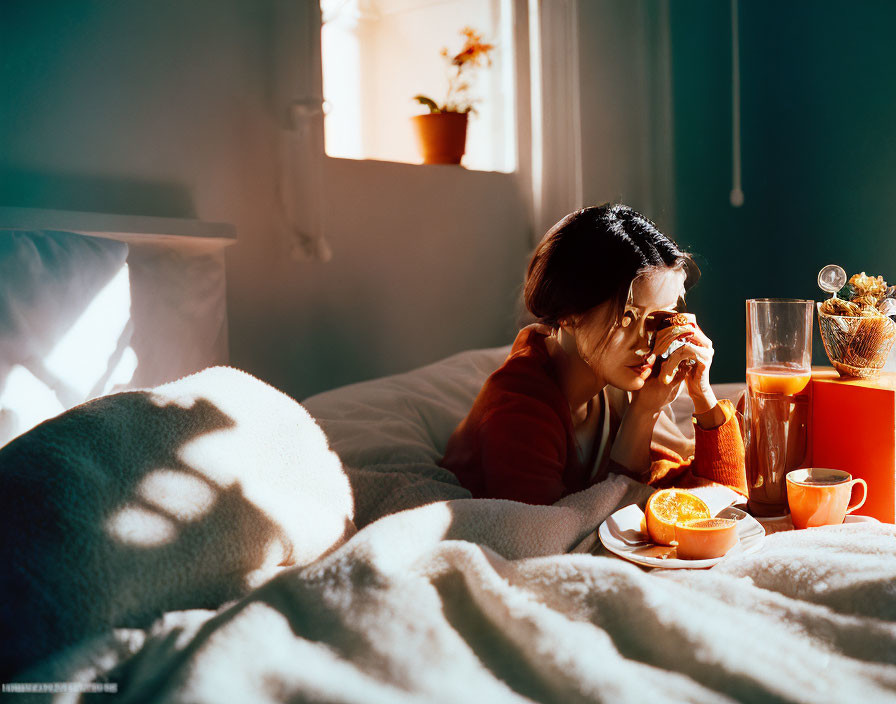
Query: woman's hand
{"x":695,"y":358}
{"x":661,"y":389}
{"x":689,"y":363}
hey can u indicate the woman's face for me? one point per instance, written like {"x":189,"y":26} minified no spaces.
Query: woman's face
{"x":619,"y":354}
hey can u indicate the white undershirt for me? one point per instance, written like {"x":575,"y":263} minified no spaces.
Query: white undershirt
{"x":586,"y":433}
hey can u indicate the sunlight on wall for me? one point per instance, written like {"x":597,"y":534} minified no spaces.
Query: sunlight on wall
{"x":378,"y":54}
{"x":342,"y":87}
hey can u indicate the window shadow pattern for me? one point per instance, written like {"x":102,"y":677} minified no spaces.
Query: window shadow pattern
{"x":72,"y":568}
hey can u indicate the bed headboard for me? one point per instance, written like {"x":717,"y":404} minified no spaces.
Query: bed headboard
{"x":93,"y":303}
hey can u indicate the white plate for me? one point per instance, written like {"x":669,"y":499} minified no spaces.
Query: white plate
{"x":621,"y":535}
{"x":779,"y":524}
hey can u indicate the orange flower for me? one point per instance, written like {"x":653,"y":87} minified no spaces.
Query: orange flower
{"x":474,"y":49}
{"x":474,"y":53}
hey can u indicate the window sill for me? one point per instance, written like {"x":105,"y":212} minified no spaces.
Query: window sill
{"x":418,"y":163}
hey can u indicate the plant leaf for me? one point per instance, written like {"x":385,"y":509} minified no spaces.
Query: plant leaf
{"x":847,"y":292}
{"x":428,"y":102}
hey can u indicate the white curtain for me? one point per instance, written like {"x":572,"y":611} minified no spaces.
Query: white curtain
{"x":601,"y":107}
{"x":299,"y":104}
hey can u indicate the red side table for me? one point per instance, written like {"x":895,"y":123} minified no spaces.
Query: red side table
{"x":852,"y":426}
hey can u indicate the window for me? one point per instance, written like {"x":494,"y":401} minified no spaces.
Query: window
{"x":378,"y":54}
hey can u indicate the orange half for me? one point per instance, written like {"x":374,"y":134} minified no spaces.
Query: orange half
{"x":667,"y":507}
{"x":705,"y":538}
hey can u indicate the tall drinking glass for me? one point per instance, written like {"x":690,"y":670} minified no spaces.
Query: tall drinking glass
{"x":776,"y":412}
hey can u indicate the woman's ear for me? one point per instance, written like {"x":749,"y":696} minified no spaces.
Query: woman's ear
{"x":571,"y":323}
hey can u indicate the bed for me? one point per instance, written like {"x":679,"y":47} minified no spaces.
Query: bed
{"x":364,"y":573}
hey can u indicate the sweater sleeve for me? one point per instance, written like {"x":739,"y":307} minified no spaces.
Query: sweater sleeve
{"x":718,"y":458}
{"x":524,"y":453}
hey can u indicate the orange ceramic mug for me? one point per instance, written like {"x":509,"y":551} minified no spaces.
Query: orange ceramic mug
{"x":821,"y":497}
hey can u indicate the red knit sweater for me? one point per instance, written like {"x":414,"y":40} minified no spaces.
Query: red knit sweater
{"x":518,"y":440}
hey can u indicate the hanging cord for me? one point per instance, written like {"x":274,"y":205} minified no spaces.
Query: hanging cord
{"x":737,"y":194}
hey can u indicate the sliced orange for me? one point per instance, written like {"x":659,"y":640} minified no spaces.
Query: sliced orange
{"x":704,"y":538}
{"x":667,"y":507}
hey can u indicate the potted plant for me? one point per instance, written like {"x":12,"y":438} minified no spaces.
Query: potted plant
{"x":442,"y":132}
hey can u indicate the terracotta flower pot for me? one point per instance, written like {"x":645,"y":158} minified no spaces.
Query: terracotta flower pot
{"x":442,"y":136}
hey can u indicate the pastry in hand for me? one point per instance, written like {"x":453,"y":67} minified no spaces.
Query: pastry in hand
{"x":675,"y":320}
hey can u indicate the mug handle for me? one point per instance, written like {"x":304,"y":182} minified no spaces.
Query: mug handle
{"x":853,"y":483}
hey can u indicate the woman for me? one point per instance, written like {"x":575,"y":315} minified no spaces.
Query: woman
{"x":583,"y":390}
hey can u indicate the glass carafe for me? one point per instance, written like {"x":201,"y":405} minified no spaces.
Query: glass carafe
{"x":776,"y":409}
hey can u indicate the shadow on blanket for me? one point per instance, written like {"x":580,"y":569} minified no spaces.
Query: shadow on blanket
{"x":144,"y":502}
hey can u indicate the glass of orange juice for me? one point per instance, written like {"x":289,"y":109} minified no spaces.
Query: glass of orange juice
{"x":776,"y":412}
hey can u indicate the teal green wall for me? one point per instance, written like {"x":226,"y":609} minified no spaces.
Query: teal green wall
{"x":818,"y":91}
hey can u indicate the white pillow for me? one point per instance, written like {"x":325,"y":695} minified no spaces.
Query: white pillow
{"x":64,"y":310}
{"x":81,"y":317}
{"x":391,"y":432}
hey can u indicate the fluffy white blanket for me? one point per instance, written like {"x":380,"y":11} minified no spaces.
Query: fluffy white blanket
{"x":143,"y":502}
{"x":418,"y":607}
{"x":455,"y":599}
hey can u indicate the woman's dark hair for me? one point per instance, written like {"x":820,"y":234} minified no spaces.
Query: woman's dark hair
{"x":591,"y":256}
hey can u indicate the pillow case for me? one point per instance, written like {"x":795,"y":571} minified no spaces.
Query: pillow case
{"x":84,"y":316}
{"x":55,"y":352}
{"x":391,"y":432}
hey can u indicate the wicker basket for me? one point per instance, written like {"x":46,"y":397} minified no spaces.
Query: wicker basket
{"x":857,"y":347}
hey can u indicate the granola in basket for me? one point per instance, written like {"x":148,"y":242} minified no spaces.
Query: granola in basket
{"x":855,"y":325}
{"x":837,"y":306}
{"x":861,"y":297}
{"x":865,"y":285}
